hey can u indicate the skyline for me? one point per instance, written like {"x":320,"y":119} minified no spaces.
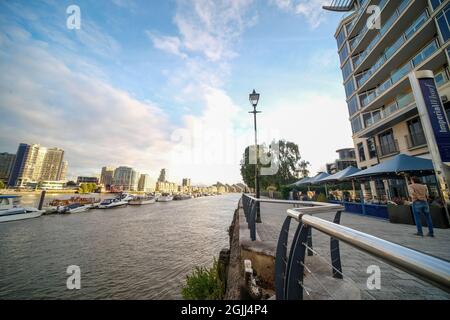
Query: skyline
{"x":162,"y":91}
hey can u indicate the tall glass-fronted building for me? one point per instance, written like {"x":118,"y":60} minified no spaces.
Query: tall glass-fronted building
{"x":375,"y":62}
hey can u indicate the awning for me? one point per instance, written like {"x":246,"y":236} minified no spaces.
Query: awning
{"x":318,"y":179}
{"x":303,"y":182}
{"x":341,"y":175}
{"x":401,"y":163}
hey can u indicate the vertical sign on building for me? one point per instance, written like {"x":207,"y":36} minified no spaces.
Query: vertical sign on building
{"x":435,"y":125}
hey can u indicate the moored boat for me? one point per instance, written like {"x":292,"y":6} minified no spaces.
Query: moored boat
{"x":165,"y":197}
{"x":112,"y":203}
{"x":10,"y":209}
{"x":75,"y":208}
{"x":138,"y":201}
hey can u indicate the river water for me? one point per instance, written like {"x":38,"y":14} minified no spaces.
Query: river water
{"x":124,"y":253}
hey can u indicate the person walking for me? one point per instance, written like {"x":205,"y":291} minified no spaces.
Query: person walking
{"x":419,"y":196}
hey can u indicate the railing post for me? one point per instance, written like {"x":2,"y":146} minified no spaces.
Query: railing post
{"x":335,"y":251}
{"x":310,"y":244}
{"x":295,"y":266}
{"x":252,"y":221}
{"x":281,"y":260}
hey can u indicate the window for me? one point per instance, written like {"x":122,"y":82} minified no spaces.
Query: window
{"x":340,"y":38}
{"x":417,"y":137}
{"x":441,"y":77}
{"x":443,"y":20}
{"x":356,"y":124}
{"x":388,"y":144}
{"x":343,"y":54}
{"x":349,"y":87}
{"x":361,"y":153}
{"x":347,"y":70}
{"x":436,"y":3}
{"x":353,"y":105}
{"x":372,"y":148}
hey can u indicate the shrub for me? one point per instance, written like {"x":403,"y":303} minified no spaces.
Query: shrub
{"x":204,"y":284}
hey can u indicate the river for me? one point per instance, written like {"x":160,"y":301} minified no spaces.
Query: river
{"x":124,"y":253}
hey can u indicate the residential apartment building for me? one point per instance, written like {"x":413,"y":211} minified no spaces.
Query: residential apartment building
{"x":53,"y":165}
{"x":375,"y":63}
{"x":6,"y":165}
{"x":146,"y":183}
{"x":27,"y":165}
{"x":347,"y":158}
{"x":126,"y":178}
{"x":107,"y":176}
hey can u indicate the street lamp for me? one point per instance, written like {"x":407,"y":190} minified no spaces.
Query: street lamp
{"x":254,"y":99}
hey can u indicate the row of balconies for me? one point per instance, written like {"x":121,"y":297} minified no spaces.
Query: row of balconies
{"x":391,"y":148}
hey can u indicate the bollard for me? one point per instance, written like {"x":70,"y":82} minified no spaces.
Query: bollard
{"x":41,"y":201}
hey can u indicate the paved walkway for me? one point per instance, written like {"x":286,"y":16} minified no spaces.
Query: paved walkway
{"x":395,"y":284}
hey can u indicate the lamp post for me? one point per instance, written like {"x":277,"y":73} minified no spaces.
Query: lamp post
{"x":254,"y":99}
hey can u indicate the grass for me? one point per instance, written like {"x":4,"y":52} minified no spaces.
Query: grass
{"x":204,"y":284}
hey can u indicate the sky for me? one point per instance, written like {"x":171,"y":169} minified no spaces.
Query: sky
{"x":165,"y":83}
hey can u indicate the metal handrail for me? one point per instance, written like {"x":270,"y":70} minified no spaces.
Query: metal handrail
{"x":307,"y":204}
{"x":428,"y":268}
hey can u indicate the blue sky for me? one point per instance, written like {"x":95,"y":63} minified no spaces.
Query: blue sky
{"x":154,"y":84}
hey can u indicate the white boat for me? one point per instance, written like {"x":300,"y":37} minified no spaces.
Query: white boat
{"x":137,"y":201}
{"x":126,"y":197}
{"x":112,"y":203}
{"x":10,"y":210}
{"x":75,"y":208}
{"x":165,"y":197}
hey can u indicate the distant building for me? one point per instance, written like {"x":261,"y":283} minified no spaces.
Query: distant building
{"x":6,"y":165}
{"x":27,"y":165}
{"x":347,"y":158}
{"x":52,"y":165}
{"x":126,"y":178}
{"x":63,"y":173}
{"x":51,"y":185}
{"x":186,"y":182}
{"x":146,"y":183}
{"x":162,"y":176}
{"x":168,"y":187}
{"x":107,"y":177}
{"x":81,"y":180}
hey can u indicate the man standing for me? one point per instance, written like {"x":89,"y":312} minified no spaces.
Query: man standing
{"x":419,"y":196}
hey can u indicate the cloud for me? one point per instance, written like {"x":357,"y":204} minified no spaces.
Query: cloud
{"x":167,"y":43}
{"x":52,"y":104}
{"x":311,"y":10}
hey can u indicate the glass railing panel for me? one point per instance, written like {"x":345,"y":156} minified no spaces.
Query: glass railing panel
{"x":425,"y":53}
{"x":390,"y":109}
{"x":416,"y":25}
{"x":405,"y":100}
{"x":400,"y":73}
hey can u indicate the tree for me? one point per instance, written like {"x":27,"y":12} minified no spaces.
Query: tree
{"x":304,"y":172}
{"x":2,"y":185}
{"x":287,"y":162}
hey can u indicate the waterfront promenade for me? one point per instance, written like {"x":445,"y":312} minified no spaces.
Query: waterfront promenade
{"x":395,"y":284}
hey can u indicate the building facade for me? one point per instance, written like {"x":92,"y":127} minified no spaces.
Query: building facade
{"x":81,"y":180}
{"x":375,"y":63}
{"x":107,"y":177}
{"x":126,"y":178}
{"x":6,"y":165}
{"x":146,"y":183}
{"x":347,"y":158}
{"x":53,"y":165}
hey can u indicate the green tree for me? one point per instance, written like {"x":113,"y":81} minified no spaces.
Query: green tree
{"x":287,"y":161}
{"x":2,"y":185}
{"x":303,"y":166}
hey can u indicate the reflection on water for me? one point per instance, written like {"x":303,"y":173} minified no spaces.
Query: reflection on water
{"x":124,"y":253}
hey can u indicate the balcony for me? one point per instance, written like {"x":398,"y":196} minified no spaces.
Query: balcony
{"x":393,"y":49}
{"x":419,"y":60}
{"x":388,"y":149}
{"x":416,"y":141}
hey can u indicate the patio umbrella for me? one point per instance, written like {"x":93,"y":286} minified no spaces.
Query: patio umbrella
{"x":341,"y":175}
{"x":303,"y":182}
{"x":401,"y":163}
